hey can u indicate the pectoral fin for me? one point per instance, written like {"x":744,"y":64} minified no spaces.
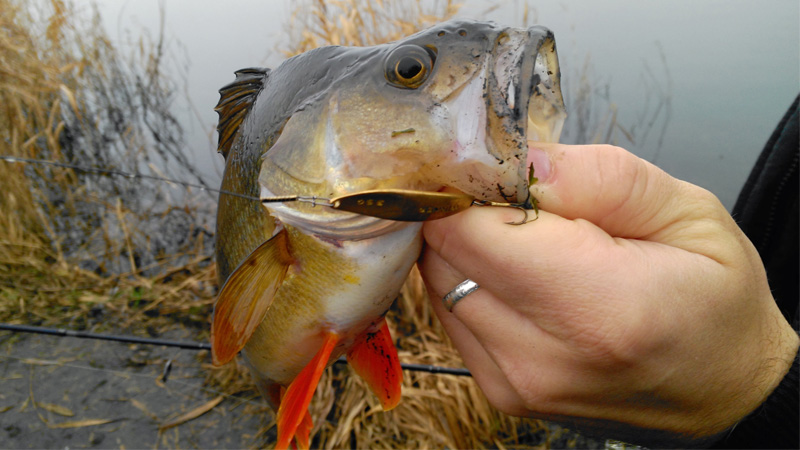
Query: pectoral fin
{"x":246,"y":296}
{"x":294,"y":404}
{"x":374,"y":359}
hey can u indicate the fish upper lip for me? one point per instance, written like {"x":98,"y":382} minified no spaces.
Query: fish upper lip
{"x":510,"y":53}
{"x":525,"y":66}
{"x":527,"y":74}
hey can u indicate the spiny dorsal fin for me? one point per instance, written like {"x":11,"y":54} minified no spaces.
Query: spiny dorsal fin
{"x":235,"y":101}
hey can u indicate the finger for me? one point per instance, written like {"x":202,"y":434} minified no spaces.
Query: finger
{"x":488,"y":334}
{"x":437,"y":275}
{"x":550,"y":258}
{"x":624,"y":195}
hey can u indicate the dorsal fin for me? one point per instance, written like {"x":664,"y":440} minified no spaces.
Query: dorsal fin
{"x":235,"y":101}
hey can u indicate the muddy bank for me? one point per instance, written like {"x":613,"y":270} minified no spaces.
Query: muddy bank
{"x":76,"y":393}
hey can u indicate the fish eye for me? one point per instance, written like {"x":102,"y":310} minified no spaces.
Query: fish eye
{"x":408,"y":66}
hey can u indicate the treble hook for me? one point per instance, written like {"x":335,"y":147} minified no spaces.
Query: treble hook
{"x":520,"y":206}
{"x":524,"y":218}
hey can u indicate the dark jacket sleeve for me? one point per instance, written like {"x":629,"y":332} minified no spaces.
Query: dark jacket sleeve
{"x":767,"y":211}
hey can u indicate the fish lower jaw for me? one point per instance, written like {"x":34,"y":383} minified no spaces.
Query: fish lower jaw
{"x":545,"y":109}
{"x":354,"y":228}
{"x":324,"y":222}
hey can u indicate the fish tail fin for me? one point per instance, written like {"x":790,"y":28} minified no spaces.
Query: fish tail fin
{"x":293,"y":410}
{"x":374,"y":358}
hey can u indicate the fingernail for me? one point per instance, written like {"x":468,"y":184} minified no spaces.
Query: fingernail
{"x":541,"y":163}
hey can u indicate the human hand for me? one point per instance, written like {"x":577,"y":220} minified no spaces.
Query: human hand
{"x":633,"y":307}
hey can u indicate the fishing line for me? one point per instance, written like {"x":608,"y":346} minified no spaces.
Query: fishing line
{"x":63,"y":332}
{"x":391,"y":204}
{"x":129,"y":175}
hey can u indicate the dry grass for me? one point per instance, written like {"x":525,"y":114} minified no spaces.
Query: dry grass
{"x":316,"y":23}
{"x":74,"y":246}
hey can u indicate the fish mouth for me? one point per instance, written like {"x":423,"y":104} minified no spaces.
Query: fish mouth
{"x":517,"y":94}
{"x":537,"y":77}
{"x":525,"y":94}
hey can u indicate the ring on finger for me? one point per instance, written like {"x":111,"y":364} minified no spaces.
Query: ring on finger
{"x":463,"y":289}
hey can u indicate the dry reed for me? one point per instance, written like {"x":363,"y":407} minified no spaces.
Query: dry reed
{"x":74,"y":247}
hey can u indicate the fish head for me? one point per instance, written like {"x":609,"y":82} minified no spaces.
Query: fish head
{"x":451,"y":106}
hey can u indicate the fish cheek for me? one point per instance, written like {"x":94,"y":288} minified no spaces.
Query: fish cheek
{"x":298,"y":151}
{"x":455,"y":66}
{"x":391,"y":134}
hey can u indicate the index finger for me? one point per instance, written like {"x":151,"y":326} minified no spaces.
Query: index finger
{"x":630,"y":198}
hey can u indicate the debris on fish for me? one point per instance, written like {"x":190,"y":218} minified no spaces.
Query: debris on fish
{"x":304,"y":283}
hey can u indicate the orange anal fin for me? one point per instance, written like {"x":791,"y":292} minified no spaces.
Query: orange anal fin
{"x":374,"y":358}
{"x":294,"y":404}
{"x":243,"y":301}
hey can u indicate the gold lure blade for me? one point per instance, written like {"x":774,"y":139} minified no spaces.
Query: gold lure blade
{"x":403,"y":205}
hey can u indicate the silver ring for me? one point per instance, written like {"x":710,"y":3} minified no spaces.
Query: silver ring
{"x":464,"y":288}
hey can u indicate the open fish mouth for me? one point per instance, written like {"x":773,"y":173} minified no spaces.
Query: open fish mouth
{"x":540,"y":84}
{"x":521,"y":102}
{"x":544,"y":111}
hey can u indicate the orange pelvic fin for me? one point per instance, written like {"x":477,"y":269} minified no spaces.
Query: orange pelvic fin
{"x":301,"y":436}
{"x":294,"y":405}
{"x":374,"y":358}
{"x":246,"y":296}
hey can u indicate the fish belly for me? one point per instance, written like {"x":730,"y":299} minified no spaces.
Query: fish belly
{"x":344,"y":287}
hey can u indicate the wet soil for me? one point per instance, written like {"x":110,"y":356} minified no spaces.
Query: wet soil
{"x":60,"y":392}
{"x":65,"y":392}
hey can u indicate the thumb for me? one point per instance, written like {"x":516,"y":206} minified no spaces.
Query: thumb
{"x":622,"y":194}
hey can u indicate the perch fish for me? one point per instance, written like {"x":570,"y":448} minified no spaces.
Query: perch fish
{"x":451,"y":106}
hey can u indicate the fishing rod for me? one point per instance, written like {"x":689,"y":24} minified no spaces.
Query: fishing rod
{"x":64,"y":332}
